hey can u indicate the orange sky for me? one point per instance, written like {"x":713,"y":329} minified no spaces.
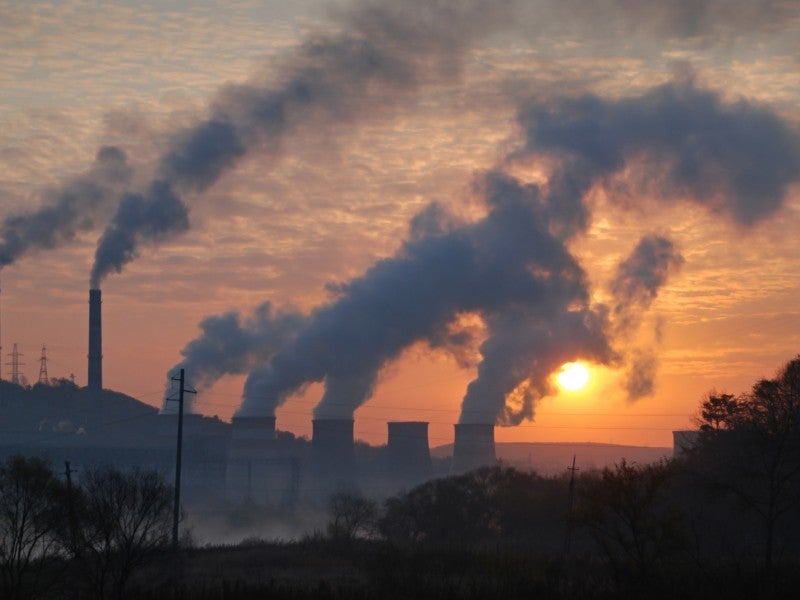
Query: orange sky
{"x":334,"y":199}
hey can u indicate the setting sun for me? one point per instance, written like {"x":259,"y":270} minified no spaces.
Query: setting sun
{"x":573,"y":376}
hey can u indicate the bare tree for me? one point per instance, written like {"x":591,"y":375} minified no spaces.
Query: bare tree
{"x":28,"y":521}
{"x":126,"y":517}
{"x":628,"y":512}
{"x":352,"y":515}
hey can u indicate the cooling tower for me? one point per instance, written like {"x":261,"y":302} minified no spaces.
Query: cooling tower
{"x":95,"y":379}
{"x":473,"y":447}
{"x":332,"y":449}
{"x":408,"y":453}
{"x":255,"y":473}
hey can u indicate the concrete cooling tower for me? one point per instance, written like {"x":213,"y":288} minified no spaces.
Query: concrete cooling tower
{"x":257,"y":472}
{"x":473,"y":447}
{"x":333,"y":450}
{"x":408,"y":452}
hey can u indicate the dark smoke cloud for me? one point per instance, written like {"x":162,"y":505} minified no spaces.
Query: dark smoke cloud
{"x":639,"y":278}
{"x":513,"y":267}
{"x":69,"y":211}
{"x":508,"y":263}
{"x":231,"y":344}
{"x":635,"y":286}
{"x":735,"y":158}
{"x":641,"y":373}
{"x":706,"y":21}
{"x":152,"y":216}
{"x":384,"y":52}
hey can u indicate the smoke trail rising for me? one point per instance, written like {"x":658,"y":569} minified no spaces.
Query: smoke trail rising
{"x":68,"y":211}
{"x":383,"y":54}
{"x":231,"y":344}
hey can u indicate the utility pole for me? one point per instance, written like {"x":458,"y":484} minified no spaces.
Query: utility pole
{"x":571,"y":503}
{"x":73,"y":526}
{"x":176,"y":515}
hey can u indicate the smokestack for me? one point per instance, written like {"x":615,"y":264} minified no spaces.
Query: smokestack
{"x":95,"y":380}
{"x":408,"y":453}
{"x":332,"y":449}
{"x":473,"y":447}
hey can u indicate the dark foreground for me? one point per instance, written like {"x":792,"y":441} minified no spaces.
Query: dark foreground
{"x":366,"y":570}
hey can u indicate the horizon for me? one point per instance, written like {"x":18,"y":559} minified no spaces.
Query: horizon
{"x":673,"y":239}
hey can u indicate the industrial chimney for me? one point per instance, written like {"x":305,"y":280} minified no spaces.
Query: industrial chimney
{"x":473,"y":447}
{"x":95,"y":380}
{"x":332,"y":449}
{"x":408,"y":453}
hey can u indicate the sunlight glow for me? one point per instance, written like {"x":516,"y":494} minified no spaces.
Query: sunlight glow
{"x":573,"y":376}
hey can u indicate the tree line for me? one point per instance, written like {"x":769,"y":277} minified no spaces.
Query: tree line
{"x":84,"y":539}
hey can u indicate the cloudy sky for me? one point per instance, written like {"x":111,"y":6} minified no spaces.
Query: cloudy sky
{"x":413,"y":212}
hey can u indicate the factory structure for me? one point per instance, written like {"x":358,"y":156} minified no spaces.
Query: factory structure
{"x":247,"y":461}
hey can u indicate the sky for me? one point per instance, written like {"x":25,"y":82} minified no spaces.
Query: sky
{"x":406,"y":211}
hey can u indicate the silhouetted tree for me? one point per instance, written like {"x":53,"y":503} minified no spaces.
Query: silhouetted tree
{"x":125,"y":518}
{"x":351,"y":516}
{"x":629,"y":514}
{"x":488,"y":503}
{"x":752,"y":451}
{"x":29,"y":517}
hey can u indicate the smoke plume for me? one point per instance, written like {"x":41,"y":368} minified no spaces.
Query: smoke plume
{"x":383,"y":54}
{"x":508,"y":263}
{"x":737,"y":159}
{"x":638,"y":279}
{"x":231,"y":344}
{"x":68,"y":211}
{"x":513,"y":267}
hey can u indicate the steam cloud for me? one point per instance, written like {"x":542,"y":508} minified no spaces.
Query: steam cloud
{"x":508,"y":263}
{"x":635,"y":286}
{"x":513,"y":267}
{"x":737,"y":159}
{"x":640,"y":276}
{"x":231,"y":344}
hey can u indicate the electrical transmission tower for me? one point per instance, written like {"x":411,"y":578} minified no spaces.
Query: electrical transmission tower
{"x":16,"y":374}
{"x":43,"y":367}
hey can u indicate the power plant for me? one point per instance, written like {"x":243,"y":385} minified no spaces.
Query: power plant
{"x":246,"y":462}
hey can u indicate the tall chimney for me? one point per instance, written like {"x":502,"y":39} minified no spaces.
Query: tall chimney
{"x":473,"y":447}
{"x":95,"y":380}
{"x":332,"y":449}
{"x":408,"y":453}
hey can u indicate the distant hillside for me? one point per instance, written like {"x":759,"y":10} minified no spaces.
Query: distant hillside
{"x":65,"y":413}
{"x":553,"y":458}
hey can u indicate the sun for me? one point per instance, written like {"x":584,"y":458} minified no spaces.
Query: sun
{"x":573,"y":376}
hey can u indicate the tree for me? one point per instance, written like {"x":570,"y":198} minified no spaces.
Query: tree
{"x":125,"y":517}
{"x":28,"y":521}
{"x":352,"y":516}
{"x":752,"y":453}
{"x":628,"y":512}
{"x":486,"y":504}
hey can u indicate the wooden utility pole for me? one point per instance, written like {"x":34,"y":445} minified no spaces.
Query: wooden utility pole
{"x":176,"y":514}
{"x":73,"y":525}
{"x":570,"y":504}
